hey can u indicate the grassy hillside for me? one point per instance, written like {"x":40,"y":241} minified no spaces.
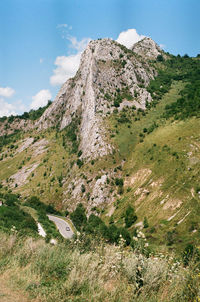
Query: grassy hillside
{"x":160,"y":149}
{"x":154,"y":167}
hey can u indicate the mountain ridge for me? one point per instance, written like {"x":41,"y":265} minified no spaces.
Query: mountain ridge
{"x":148,"y":158}
{"x":98,"y":78}
{"x":106,"y":66}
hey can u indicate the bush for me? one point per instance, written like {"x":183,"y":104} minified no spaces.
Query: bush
{"x":82,"y":188}
{"x":160,"y":58}
{"x":130,"y":217}
{"x":79,"y":163}
{"x":145,"y":223}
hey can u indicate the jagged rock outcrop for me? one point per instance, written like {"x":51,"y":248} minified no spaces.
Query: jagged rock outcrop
{"x":108,"y":73}
{"x":147,"y":48}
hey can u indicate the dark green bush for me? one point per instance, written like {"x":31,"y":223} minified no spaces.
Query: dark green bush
{"x":79,"y":217}
{"x":130,"y":216}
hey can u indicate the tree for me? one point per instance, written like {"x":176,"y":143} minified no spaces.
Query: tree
{"x":79,"y":217}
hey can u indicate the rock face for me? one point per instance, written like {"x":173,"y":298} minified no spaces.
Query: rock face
{"x":110,"y":76}
{"x":108,"y":72}
{"x":147,"y":48}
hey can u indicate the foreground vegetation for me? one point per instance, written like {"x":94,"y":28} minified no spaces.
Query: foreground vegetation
{"x":71,"y":272}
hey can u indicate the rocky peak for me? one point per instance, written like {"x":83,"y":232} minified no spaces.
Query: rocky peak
{"x":108,"y":73}
{"x":147,"y":48}
{"x":110,"y":76}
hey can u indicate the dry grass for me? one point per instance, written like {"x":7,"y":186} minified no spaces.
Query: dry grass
{"x":109,"y":273}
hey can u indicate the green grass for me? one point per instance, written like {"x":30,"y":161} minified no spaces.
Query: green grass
{"x":127,"y":138}
{"x":163,"y":152}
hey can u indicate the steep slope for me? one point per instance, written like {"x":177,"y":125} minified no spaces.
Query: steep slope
{"x":109,"y":76}
{"x":124,"y":131}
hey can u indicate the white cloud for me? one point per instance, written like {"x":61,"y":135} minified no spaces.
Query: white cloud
{"x":129,"y":37}
{"x":41,"y":60}
{"x":19,"y":106}
{"x":40,"y":99}
{"x":68,"y":65}
{"x":6,"y":92}
{"x":6,"y":109}
{"x":66,"y":68}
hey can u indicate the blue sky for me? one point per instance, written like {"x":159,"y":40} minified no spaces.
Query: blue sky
{"x":34,"y":35}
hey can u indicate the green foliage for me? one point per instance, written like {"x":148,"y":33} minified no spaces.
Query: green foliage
{"x":60,"y":179}
{"x":35,"y":203}
{"x":119,"y":182}
{"x":80,"y":153}
{"x":42,"y":211}
{"x":12,"y":218}
{"x":123,"y":118}
{"x":79,"y":163}
{"x":130,"y":217}
{"x":79,"y":217}
{"x":190,"y":254}
{"x":145,"y":223}
{"x":170,"y":237}
{"x":187,"y":70}
{"x":82,"y":188}
{"x":189,"y":104}
{"x":160,"y":85}
{"x":117,"y":101}
{"x":160,"y":58}
{"x":70,"y":134}
{"x":9,"y":139}
{"x":31,"y":115}
{"x":94,"y":225}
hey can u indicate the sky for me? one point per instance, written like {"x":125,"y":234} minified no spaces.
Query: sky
{"x":41,"y":41}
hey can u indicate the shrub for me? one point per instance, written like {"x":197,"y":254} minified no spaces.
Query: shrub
{"x":82,"y":188}
{"x":145,"y":223}
{"x":160,"y":58}
{"x":79,"y":163}
{"x":130,"y":216}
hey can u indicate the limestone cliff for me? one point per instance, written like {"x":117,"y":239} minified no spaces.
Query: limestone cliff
{"x":147,"y":48}
{"x":109,"y":76}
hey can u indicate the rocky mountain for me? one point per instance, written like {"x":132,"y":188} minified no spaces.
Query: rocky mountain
{"x":123,"y":132}
{"x":147,"y":48}
{"x":110,"y":76}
